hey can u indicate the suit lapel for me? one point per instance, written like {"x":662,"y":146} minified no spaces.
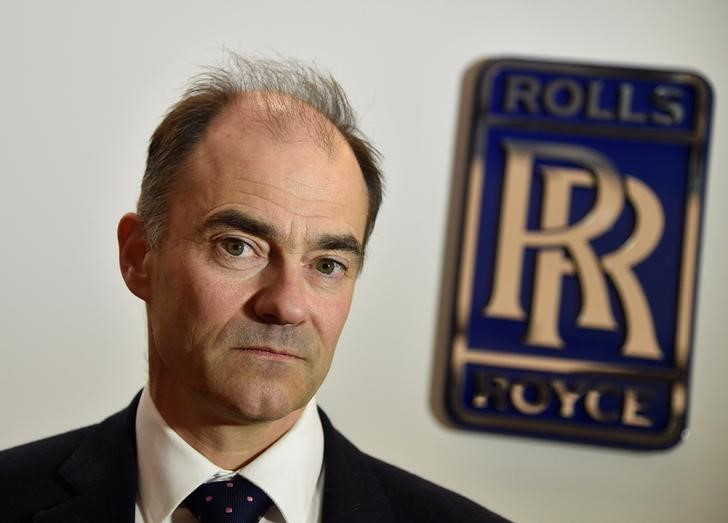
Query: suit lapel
{"x":103,"y":470}
{"x":352,"y":492}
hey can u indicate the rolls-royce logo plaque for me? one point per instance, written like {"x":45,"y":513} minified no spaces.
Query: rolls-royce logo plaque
{"x":569,"y":287}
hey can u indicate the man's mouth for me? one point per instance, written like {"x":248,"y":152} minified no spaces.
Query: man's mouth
{"x":270,"y":352}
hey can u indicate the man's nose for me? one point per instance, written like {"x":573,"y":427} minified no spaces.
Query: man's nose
{"x":281,"y":298}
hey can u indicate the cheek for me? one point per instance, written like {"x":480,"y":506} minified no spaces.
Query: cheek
{"x":191,"y":306}
{"x":332,"y":314}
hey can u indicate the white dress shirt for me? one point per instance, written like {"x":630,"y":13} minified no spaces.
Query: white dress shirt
{"x":290,"y":471}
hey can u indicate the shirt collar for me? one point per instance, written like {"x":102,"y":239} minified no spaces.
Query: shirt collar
{"x":170,"y":469}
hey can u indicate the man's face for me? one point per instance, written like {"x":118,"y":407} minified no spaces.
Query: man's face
{"x":252,"y":282}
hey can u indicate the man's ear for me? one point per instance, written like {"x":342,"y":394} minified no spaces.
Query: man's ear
{"x":133,"y":255}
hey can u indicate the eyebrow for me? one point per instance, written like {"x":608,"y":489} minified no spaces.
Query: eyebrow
{"x":339,"y":242}
{"x":233,"y":219}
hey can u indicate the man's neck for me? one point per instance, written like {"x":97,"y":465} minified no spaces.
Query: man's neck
{"x":227,"y":443}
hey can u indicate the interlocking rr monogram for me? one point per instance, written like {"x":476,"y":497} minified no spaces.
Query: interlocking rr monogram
{"x":556,"y":237}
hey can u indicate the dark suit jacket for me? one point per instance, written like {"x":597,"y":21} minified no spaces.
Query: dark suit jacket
{"x":90,"y":475}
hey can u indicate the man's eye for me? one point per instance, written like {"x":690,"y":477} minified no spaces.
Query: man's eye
{"x":328,"y":266}
{"x":235,"y":247}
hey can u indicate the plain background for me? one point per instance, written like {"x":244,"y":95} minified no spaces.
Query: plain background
{"x":85,"y":83}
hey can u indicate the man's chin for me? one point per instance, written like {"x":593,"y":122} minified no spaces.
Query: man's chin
{"x":249,"y":408}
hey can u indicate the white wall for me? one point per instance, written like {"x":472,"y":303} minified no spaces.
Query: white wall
{"x":84,"y":84}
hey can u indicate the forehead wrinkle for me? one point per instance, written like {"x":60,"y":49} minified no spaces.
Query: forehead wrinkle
{"x":266,"y":200}
{"x":263,"y":206}
{"x":211,"y":155}
{"x":287,"y":192}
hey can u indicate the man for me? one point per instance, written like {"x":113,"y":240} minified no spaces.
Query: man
{"x":256,"y":205}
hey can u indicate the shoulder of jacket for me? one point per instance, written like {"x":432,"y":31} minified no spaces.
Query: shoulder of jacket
{"x":33,"y":455}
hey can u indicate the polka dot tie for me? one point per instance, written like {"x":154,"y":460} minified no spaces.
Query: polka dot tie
{"x":234,"y":500}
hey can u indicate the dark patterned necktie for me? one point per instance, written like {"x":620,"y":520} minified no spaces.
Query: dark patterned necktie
{"x":234,"y":500}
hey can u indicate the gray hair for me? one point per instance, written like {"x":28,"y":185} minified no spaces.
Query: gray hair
{"x":215,"y":89}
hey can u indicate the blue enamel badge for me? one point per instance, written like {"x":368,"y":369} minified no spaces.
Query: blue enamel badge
{"x":569,"y":288}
